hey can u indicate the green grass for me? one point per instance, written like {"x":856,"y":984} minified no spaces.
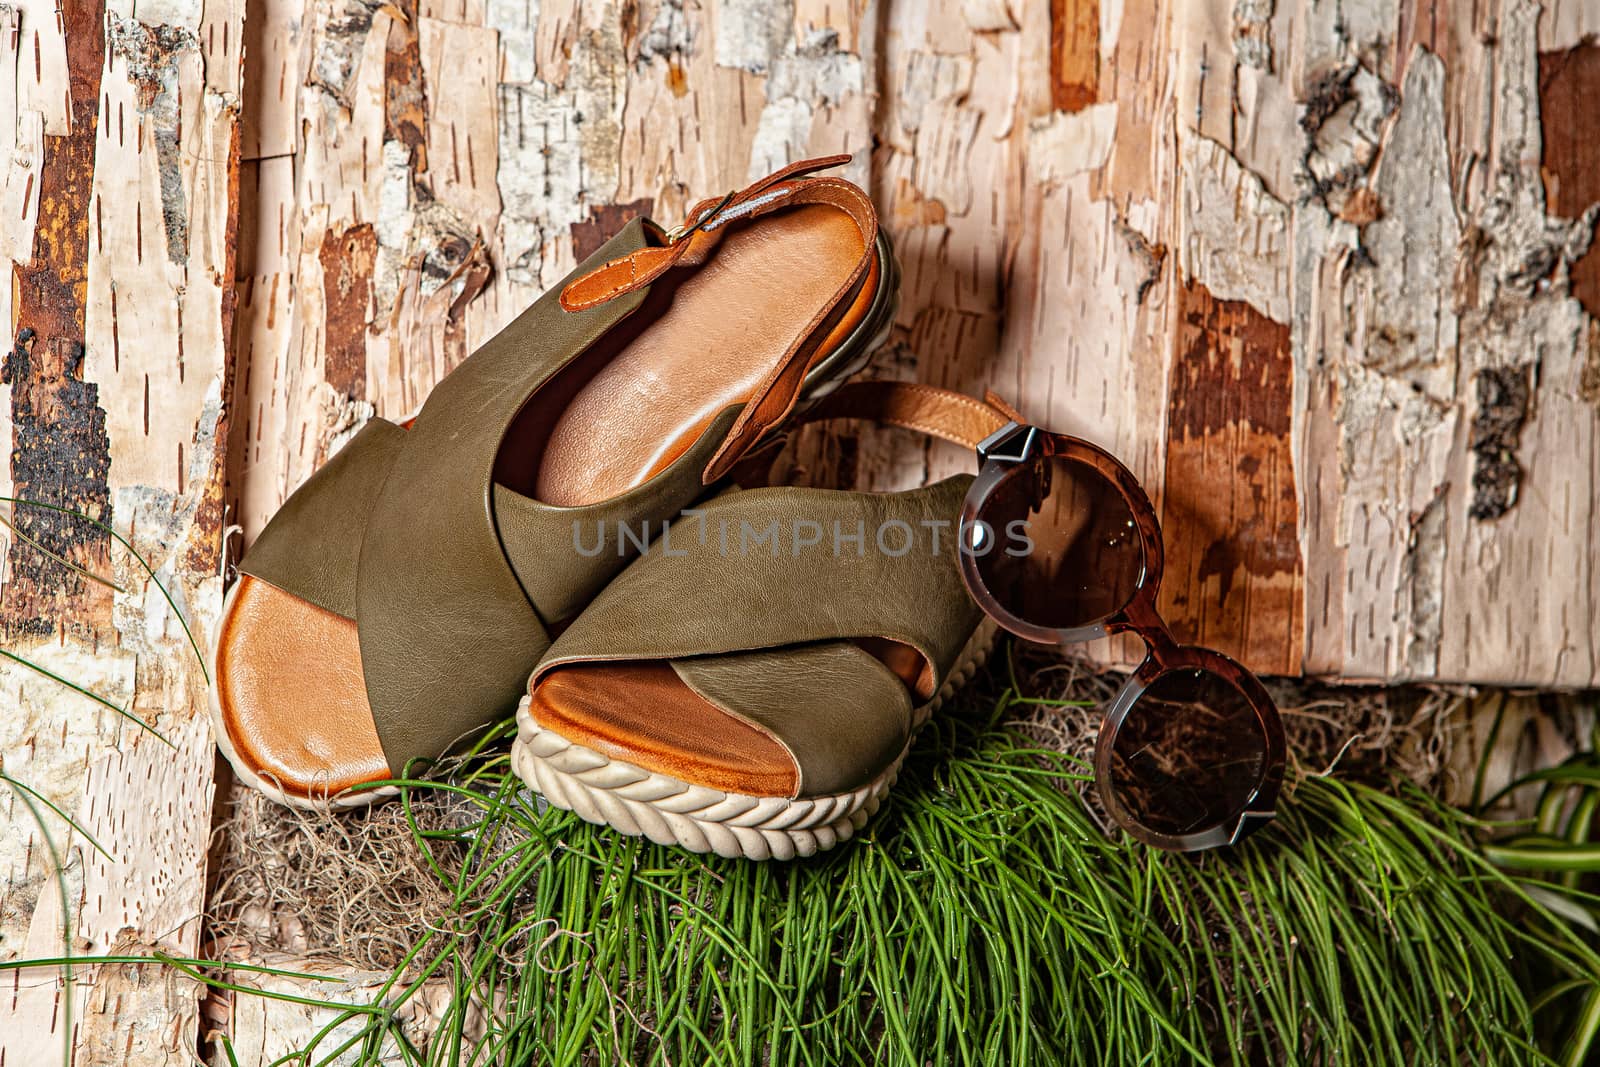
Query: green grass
{"x":982,"y":918}
{"x":1557,"y":856}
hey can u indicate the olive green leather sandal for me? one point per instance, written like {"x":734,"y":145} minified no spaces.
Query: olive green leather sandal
{"x":399,"y":598}
{"x":750,"y":685}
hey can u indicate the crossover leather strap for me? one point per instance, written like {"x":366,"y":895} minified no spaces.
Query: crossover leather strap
{"x":313,"y":543}
{"x":759,"y":599}
{"x":775,"y":396}
{"x":446,"y":628}
{"x":778,"y":604}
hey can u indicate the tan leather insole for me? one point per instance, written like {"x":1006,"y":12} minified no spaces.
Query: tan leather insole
{"x":730,"y":321}
{"x":644,"y":714}
{"x":290,"y":688}
{"x":289,"y":682}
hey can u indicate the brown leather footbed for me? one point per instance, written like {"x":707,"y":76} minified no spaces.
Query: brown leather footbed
{"x":642,"y":713}
{"x":291,"y":693}
{"x":705,"y":339}
{"x":289,"y":680}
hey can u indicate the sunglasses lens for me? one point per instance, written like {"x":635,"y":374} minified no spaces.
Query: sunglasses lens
{"x":1056,"y":545}
{"x":1190,"y":754}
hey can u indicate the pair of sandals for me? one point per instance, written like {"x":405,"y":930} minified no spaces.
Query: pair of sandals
{"x":749,"y":682}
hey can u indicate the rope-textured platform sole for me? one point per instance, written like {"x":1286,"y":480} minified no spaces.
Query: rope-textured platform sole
{"x":669,"y":811}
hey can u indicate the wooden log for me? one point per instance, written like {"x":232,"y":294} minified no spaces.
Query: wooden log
{"x":124,"y":179}
{"x":1311,"y":277}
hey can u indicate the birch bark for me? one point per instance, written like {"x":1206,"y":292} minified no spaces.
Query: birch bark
{"x":121,"y":189}
{"x":1316,"y":279}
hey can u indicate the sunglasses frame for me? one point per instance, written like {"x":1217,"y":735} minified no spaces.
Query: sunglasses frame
{"x":998,"y":455}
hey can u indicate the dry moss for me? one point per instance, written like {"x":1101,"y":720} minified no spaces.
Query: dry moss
{"x":350,"y":887}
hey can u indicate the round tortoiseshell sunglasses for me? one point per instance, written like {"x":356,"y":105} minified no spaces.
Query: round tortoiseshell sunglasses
{"x":1060,"y":544}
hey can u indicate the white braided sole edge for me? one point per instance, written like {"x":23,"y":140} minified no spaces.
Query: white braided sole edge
{"x":637,"y":802}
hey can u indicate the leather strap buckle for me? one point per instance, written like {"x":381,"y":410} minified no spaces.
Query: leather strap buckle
{"x":684,"y":229}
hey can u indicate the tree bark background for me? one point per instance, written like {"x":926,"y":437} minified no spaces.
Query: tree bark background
{"x":1320,"y":273}
{"x":1313,"y":276}
{"x":120,"y":213}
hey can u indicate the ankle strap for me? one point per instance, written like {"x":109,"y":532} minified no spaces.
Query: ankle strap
{"x":941,"y":413}
{"x":692,"y":242}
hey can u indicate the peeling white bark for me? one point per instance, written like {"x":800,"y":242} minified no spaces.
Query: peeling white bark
{"x":158,"y":263}
{"x":1410,"y":334}
{"x":263,"y":1031}
{"x":1236,"y":233}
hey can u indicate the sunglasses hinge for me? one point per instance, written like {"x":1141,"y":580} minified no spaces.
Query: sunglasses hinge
{"x":1249,"y":822}
{"x":1011,"y":443}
